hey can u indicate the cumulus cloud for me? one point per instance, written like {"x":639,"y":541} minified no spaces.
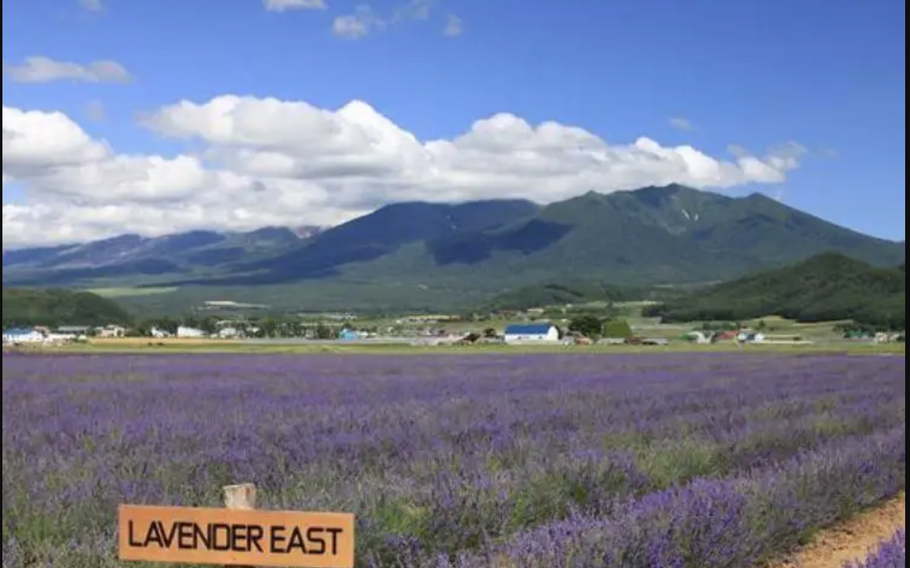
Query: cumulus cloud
{"x":454,"y":26}
{"x":271,"y":162}
{"x":39,"y":69}
{"x":285,"y":5}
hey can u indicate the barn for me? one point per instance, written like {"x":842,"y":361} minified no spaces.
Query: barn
{"x":531,"y":332}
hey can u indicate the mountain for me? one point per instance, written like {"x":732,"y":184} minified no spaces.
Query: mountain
{"x":141,"y":258}
{"x":653,"y":236}
{"x":827,"y":287}
{"x":383,"y":234}
{"x":58,"y":307}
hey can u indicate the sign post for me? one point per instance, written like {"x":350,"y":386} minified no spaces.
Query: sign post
{"x":240,"y":497}
{"x":238,"y":535}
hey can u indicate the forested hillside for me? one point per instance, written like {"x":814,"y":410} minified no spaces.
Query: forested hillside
{"x":827,"y":287}
{"x":27,"y":307}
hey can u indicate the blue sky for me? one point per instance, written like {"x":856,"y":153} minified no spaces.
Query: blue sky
{"x":828,"y":75}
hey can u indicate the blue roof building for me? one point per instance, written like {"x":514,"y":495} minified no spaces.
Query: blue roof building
{"x":348,"y":335}
{"x":531,"y":332}
{"x":22,"y":335}
{"x":18,"y":331}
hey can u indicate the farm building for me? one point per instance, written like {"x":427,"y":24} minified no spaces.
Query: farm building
{"x":159,"y":333}
{"x":22,"y":335}
{"x":699,"y":337}
{"x":229,"y":333}
{"x":348,"y":335}
{"x":184,"y":332}
{"x":535,"y":332}
{"x":110,"y":331}
{"x":749,"y":337}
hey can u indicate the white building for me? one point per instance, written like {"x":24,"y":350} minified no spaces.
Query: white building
{"x":110,"y":331}
{"x":229,"y":333}
{"x":746,"y":337}
{"x":159,"y":333}
{"x":61,"y":337}
{"x":701,"y":338}
{"x":532,"y":333}
{"x":184,"y":332}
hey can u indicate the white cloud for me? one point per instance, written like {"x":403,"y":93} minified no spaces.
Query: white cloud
{"x":357,"y":25}
{"x":39,"y":69}
{"x":683,"y":124}
{"x":454,"y":27}
{"x":268,"y":161}
{"x":365,"y":20}
{"x":413,"y":10}
{"x":92,"y":5}
{"x":285,"y":5}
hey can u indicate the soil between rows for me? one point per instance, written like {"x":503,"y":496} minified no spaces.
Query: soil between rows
{"x":853,"y":540}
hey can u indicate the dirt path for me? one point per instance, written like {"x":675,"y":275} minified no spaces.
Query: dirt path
{"x":853,"y":540}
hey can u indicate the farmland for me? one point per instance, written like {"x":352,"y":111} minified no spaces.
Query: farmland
{"x":714,"y":460}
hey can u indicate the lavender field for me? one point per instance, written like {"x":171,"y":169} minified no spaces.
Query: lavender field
{"x":891,"y":554}
{"x":549,"y":461}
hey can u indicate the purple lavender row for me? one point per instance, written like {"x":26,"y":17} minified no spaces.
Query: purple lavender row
{"x":890,"y":554}
{"x":728,"y":523}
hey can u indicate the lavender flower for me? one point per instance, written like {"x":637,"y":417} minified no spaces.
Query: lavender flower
{"x":890,"y":554}
{"x":708,"y":461}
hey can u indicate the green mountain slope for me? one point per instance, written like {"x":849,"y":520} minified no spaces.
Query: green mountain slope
{"x":58,"y":307}
{"x":677,"y":234}
{"x":565,"y":292}
{"x":670,"y":235}
{"x":142,"y":258}
{"x":827,"y":287}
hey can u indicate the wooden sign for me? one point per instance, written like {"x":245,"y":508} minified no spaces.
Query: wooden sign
{"x":235,"y":537}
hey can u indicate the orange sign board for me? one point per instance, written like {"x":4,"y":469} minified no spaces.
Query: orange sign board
{"x":233,"y":537}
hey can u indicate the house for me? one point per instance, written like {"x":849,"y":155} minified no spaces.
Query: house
{"x":534,"y":332}
{"x":184,"y":332}
{"x":887,"y":338}
{"x":110,"y":331}
{"x":22,"y":335}
{"x":750,"y":337}
{"x":726,"y":336}
{"x":699,"y":337}
{"x":229,"y":333}
{"x":348,"y":335}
